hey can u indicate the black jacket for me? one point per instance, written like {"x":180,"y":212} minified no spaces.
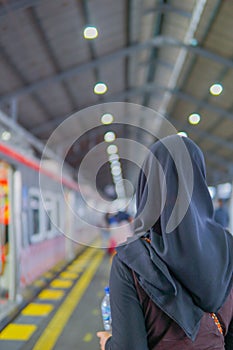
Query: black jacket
{"x":138,"y":324}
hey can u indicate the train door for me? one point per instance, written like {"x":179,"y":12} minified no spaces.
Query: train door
{"x":4,"y":229}
{"x":70,"y":224}
{"x":7,"y":234}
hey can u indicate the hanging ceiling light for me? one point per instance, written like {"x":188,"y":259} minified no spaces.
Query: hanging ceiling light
{"x":90,"y":32}
{"x":216,"y":89}
{"x":194,"y":118}
{"x":100,"y":88}
{"x":107,"y":118}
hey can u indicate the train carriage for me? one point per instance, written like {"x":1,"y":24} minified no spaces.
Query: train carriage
{"x":33,"y":219}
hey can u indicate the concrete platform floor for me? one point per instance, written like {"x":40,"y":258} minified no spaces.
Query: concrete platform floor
{"x":66,"y":315}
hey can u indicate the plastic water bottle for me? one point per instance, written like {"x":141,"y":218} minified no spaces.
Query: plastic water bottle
{"x":106,"y":311}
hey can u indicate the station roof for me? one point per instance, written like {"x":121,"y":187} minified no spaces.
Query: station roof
{"x":161,"y":54}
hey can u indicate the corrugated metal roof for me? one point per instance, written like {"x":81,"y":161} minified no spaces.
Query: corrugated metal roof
{"x":47,"y":65}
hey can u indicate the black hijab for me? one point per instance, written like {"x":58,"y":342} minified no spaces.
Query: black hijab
{"x":187,"y":268}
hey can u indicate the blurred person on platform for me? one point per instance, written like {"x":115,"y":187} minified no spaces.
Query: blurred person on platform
{"x":123,"y":215}
{"x":221,"y":214}
{"x":105,"y":230}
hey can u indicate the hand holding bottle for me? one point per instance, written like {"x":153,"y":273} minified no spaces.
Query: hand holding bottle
{"x":103,"y":338}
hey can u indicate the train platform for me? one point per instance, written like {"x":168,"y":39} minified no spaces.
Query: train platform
{"x":65,"y":314}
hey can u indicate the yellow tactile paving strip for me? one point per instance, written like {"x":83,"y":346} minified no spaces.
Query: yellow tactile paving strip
{"x":69,"y":275}
{"x":61,"y":317}
{"x":74,"y":268}
{"x":39,"y":283}
{"x":88,"y":261}
{"x":18,"y":332}
{"x":58,"y":267}
{"x":48,"y":275}
{"x":49,"y":294}
{"x":88,"y":337}
{"x":34,"y":309}
{"x":58,"y":283}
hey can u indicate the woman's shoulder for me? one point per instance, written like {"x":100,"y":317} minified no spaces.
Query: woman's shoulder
{"x":117,"y":263}
{"x":228,"y":305}
{"x":120,"y":269}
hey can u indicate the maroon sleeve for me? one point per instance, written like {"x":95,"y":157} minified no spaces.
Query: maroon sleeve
{"x":225,"y":316}
{"x":229,"y":337}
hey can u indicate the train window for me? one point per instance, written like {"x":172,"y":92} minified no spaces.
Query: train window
{"x":44,"y":216}
{"x":51,"y":215}
{"x":35,"y":229}
{"x":60,"y":212}
{"x":48,"y":216}
{"x":25,"y":217}
{"x":34,"y":203}
{"x":48,"y":225}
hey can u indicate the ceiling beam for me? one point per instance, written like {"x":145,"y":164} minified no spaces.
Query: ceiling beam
{"x":128,"y":29}
{"x":18,"y":74}
{"x":165,"y":8}
{"x":202,"y":134}
{"x":152,"y":64}
{"x":16,"y":5}
{"x":50,"y":53}
{"x":153,"y":89}
{"x":219,"y":78}
{"x":210,"y":157}
{"x":208,"y":26}
{"x":181,"y":57}
{"x":128,"y":23}
{"x":131,"y":50}
{"x":24,"y":134}
{"x":70,"y":73}
{"x":90,"y":43}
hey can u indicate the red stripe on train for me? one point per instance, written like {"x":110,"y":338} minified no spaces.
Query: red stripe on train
{"x":34,"y":165}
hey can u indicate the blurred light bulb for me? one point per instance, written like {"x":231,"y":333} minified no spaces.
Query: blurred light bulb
{"x":114,"y":163}
{"x":100,"y":88}
{"x":90,"y":32}
{"x":112,"y":149}
{"x":6,"y":135}
{"x":109,"y":136}
{"x":194,"y":118}
{"x":113,"y":157}
{"x":116,"y":170}
{"x":216,"y":89}
{"x":117,"y":178}
{"x":107,"y":118}
{"x":182,"y":133}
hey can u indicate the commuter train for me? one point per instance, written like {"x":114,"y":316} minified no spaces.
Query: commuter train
{"x":30,"y":242}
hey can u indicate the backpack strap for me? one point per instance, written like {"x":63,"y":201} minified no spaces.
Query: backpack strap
{"x":216,"y":321}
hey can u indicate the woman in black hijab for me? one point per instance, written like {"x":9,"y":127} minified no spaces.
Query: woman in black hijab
{"x":171,"y":285}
